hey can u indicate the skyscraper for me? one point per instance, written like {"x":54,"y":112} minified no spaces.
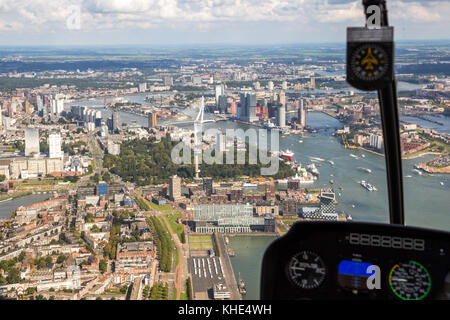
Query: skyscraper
{"x":175,"y":188}
{"x":281,"y":116}
{"x":301,"y":113}
{"x":208,"y":186}
{"x":312,"y":83}
{"x":152,"y":120}
{"x":31,"y":141}
{"x":248,"y":107}
{"x":115,"y":121}
{"x":220,"y":91}
{"x":54,"y":145}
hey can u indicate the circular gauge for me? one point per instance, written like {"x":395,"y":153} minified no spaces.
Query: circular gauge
{"x":410,"y":281}
{"x":369,"y":62}
{"x":307,"y":270}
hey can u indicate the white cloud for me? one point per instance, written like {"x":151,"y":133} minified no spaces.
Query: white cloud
{"x":40,"y":16}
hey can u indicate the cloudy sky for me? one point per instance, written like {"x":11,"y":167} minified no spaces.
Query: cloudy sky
{"x":116,"y":22}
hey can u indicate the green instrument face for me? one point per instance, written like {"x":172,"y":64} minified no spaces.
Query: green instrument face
{"x":369,"y":62}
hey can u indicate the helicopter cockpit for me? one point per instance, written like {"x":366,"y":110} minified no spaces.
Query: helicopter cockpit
{"x":355,"y":260}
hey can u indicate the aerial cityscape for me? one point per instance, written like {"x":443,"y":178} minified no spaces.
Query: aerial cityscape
{"x":96,"y":205}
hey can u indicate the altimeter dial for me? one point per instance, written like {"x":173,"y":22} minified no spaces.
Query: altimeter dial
{"x":307,"y":270}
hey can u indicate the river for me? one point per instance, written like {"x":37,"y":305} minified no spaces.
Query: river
{"x":426,"y":200}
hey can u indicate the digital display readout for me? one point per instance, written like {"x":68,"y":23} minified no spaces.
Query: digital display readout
{"x":353,"y":274}
{"x":354,"y":268}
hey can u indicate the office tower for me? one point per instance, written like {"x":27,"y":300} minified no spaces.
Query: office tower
{"x":282,"y":98}
{"x":289,"y":206}
{"x":142,"y":87}
{"x":270,"y":191}
{"x":376,"y":141}
{"x":327,"y":198}
{"x":54,"y":145}
{"x":152,"y":120}
{"x":312,"y":83}
{"x":281,"y":116}
{"x":175,"y":188}
{"x":115,"y":121}
{"x":221,"y":142}
{"x":31,"y":141}
{"x":248,"y":107}
{"x":301,"y":113}
{"x":222,"y":104}
{"x":40,"y":105}
{"x":220,"y":91}
{"x":233,"y":107}
{"x":284,"y":85}
{"x":270,"y":86}
{"x":168,"y":81}
{"x":208,"y":186}
{"x":27,"y":107}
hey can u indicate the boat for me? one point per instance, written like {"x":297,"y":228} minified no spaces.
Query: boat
{"x":317,"y":159}
{"x":408,"y":176}
{"x":364,"y":169}
{"x":249,"y":185}
{"x":331,"y":181}
{"x":417,"y":171}
{"x":368,"y":186}
{"x":288,"y":154}
{"x":231,"y":252}
{"x":442,"y":183}
{"x":242,"y":287}
{"x":341,"y":187}
{"x":331,"y":162}
{"x":300,"y":141}
{"x":312,"y":168}
{"x":226,"y":240}
{"x":352,"y":155}
{"x":363,"y":155}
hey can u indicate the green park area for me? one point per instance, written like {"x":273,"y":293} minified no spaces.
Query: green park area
{"x":200,"y":243}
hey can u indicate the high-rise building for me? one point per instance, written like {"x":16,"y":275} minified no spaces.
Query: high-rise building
{"x":27,"y":107}
{"x":312,"y":83}
{"x":152,"y":120}
{"x":175,"y":188}
{"x":220,"y":91}
{"x":142,"y":87}
{"x":257,"y":85}
{"x":116,"y":121}
{"x":54,"y":145}
{"x":282,"y":98}
{"x":31,"y":141}
{"x":270,"y":191}
{"x":102,"y":188}
{"x":222,"y":104}
{"x":376,"y":141}
{"x":270,"y":86}
{"x":168,"y":81}
{"x":284,"y":85}
{"x":208,"y":186}
{"x":281,"y":116}
{"x":248,"y":107}
{"x":289,"y":206}
{"x":233,"y":107}
{"x":301,"y":113}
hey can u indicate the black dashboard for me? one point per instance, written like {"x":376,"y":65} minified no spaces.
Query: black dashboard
{"x":352,"y":260}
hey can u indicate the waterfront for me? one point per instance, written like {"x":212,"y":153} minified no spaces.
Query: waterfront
{"x":426,"y":200}
{"x":8,"y":207}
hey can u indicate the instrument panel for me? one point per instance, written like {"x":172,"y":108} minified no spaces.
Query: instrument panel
{"x":352,"y":260}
